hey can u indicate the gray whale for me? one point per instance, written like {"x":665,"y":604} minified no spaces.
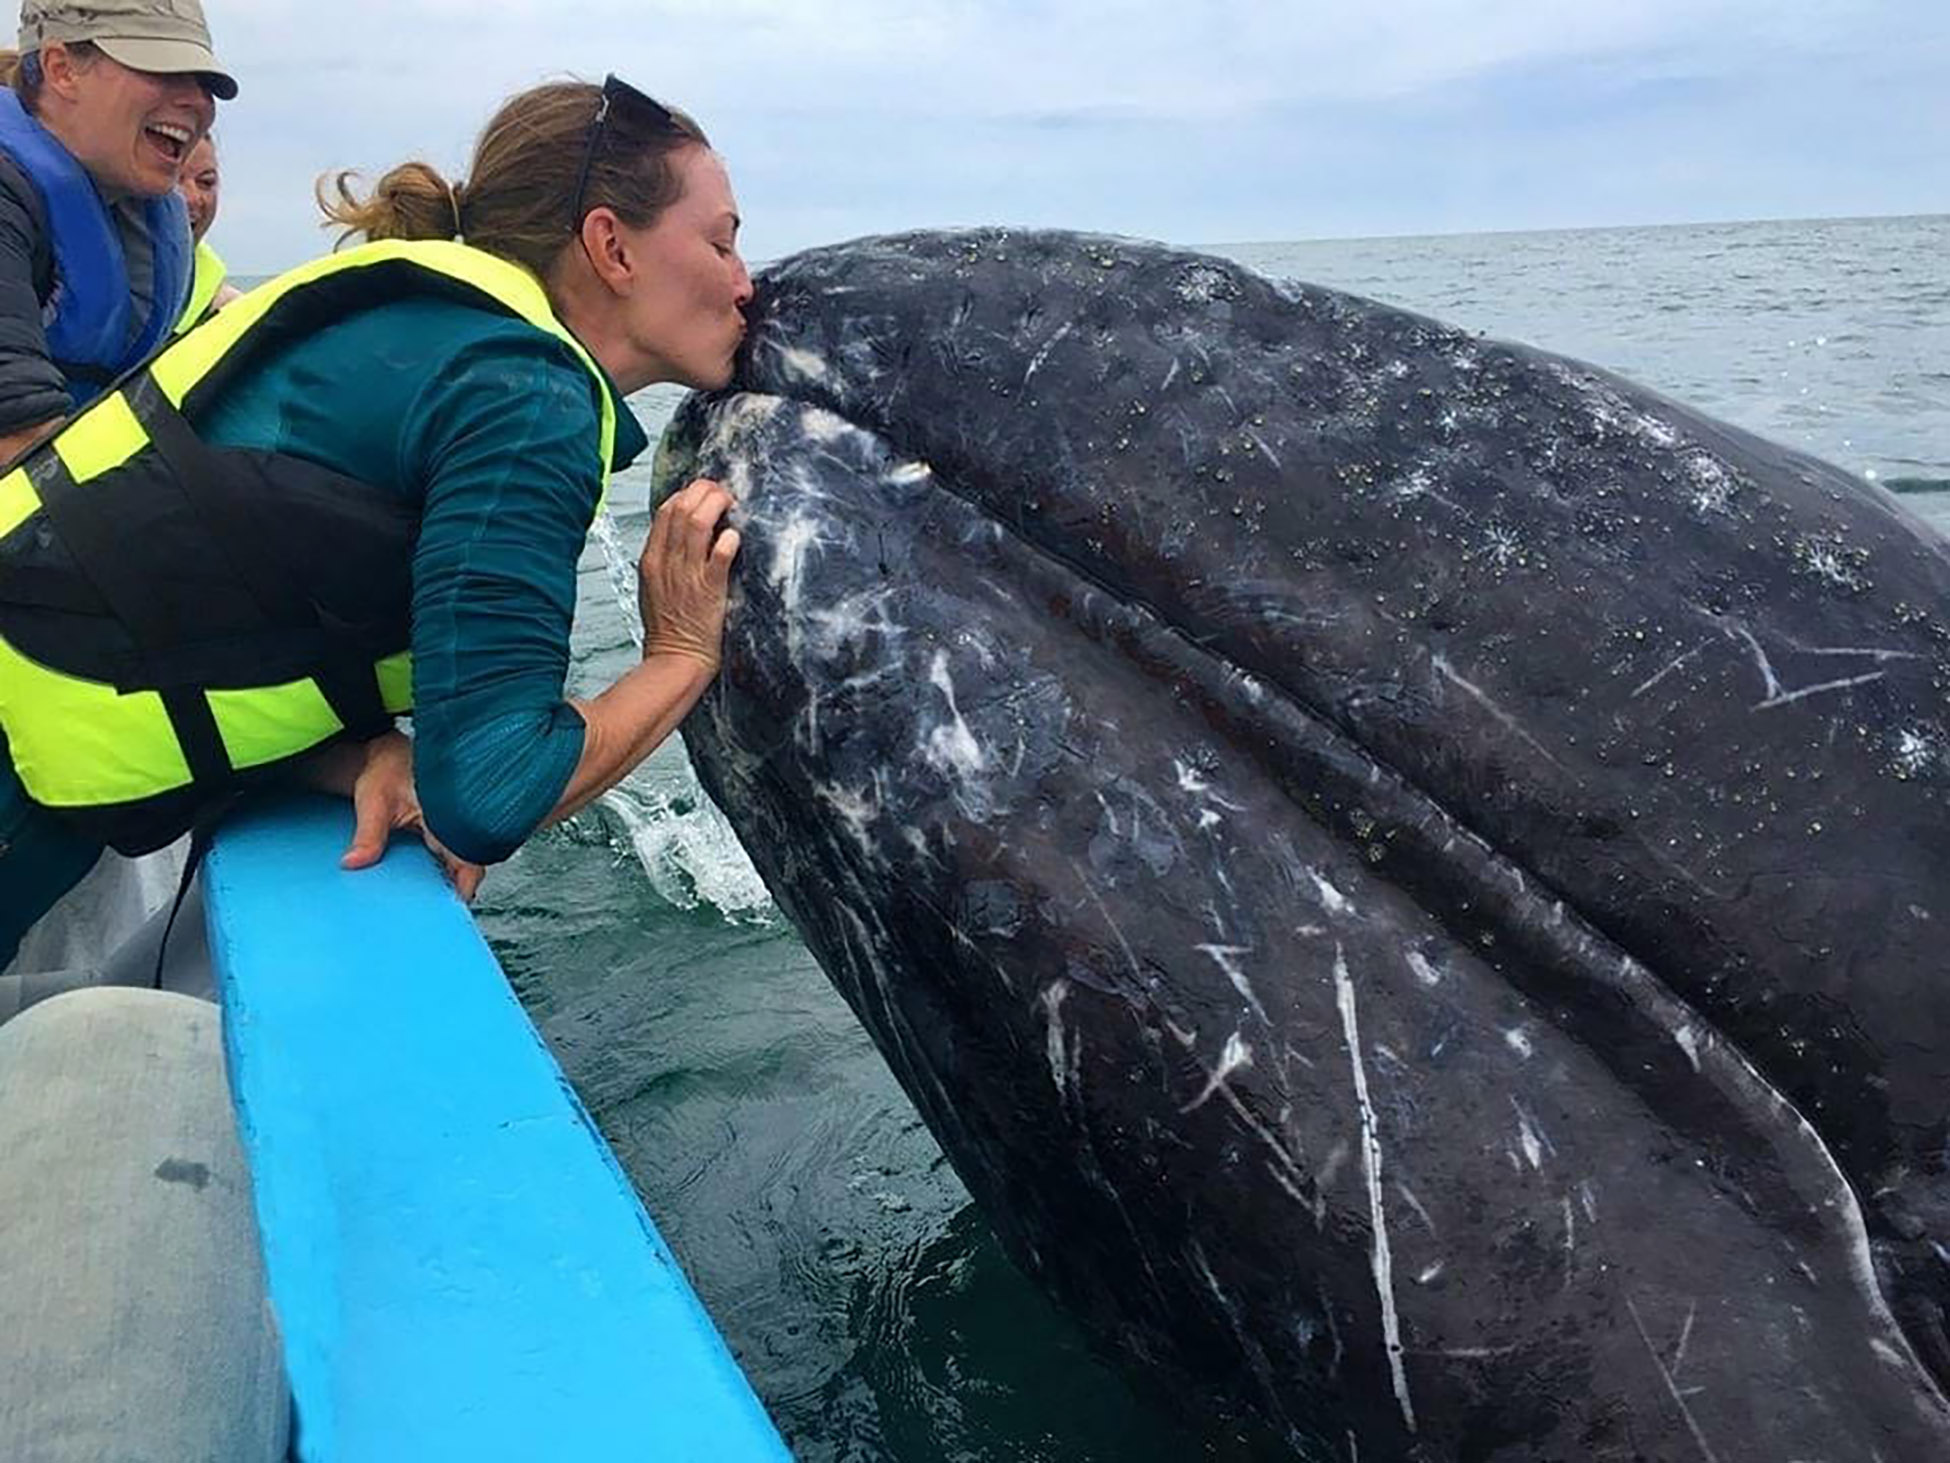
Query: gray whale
{"x":1409,"y":875}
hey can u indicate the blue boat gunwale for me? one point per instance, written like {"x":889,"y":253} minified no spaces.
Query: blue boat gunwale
{"x":459,"y":1265}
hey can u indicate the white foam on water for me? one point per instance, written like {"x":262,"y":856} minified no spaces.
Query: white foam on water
{"x":685,"y":846}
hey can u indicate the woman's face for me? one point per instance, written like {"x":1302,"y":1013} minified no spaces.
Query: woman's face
{"x":690,"y":318}
{"x":132,"y":130}
{"x":198,"y":185}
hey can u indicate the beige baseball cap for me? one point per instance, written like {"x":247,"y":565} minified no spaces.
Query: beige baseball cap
{"x":164,"y":36}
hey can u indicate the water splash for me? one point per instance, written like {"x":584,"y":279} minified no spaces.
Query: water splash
{"x":686,"y":848}
{"x":621,"y":569}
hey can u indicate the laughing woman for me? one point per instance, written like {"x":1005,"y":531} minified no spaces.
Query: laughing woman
{"x":106,"y":102}
{"x":99,"y":110}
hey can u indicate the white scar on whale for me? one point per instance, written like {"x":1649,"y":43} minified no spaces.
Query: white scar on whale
{"x":1383,"y":1256}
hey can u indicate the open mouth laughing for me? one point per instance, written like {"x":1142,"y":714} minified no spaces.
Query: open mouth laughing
{"x":171,"y":139}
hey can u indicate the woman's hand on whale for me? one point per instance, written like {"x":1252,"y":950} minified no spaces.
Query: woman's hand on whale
{"x":684,"y":574}
{"x":683,"y":577}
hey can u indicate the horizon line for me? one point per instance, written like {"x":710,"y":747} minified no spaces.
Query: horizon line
{"x":1607,"y":228}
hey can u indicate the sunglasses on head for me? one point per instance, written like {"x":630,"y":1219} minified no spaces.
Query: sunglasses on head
{"x":616,"y":93}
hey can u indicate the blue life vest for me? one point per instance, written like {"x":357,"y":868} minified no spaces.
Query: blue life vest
{"x":91,"y":335}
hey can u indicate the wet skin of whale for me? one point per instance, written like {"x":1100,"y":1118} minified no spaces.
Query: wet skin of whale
{"x":1410,"y":876}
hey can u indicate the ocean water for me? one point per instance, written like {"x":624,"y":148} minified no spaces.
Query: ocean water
{"x":817,"y":1219}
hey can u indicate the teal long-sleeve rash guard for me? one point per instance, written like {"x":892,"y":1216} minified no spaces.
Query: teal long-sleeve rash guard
{"x":488,"y":425}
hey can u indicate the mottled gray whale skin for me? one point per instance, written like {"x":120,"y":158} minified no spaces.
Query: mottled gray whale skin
{"x":1409,"y":875}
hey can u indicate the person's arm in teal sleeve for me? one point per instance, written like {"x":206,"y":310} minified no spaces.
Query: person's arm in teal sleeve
{"x":506,"y":440}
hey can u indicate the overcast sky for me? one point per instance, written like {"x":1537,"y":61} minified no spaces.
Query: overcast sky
{"x":1203,"y":121}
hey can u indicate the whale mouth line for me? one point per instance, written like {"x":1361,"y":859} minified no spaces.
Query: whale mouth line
{"x":1488,"y":882}
{"x":833,"y":413}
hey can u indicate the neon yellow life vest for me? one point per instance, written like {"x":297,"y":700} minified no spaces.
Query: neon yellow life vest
{"x":208,"y":278}
{"x":176,"y":618}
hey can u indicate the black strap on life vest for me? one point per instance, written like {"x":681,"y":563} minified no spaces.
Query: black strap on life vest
{"x":231,"y":568}
{"x":201,"y":479}
{"x":104,"y":550}
{"x":125,"y":580}
{"x":202,"y":833}
{"x":342,"y":663}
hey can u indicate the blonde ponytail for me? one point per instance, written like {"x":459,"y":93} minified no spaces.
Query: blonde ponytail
{"x":411,"y":201}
